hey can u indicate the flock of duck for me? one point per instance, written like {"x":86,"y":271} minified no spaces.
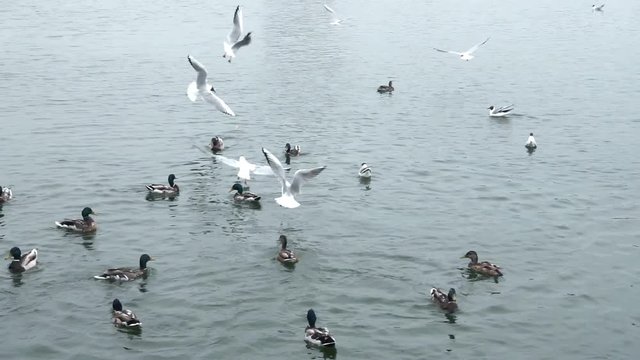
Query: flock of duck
{"x":200,"y":89}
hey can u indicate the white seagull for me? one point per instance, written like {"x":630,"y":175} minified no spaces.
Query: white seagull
{"x":466,"y":55}
{"x":201,"y":89}
{"x":531,"y":142}
{"x":289,"y":189}
{"x":365,"y":171}
{"x":335,"y":20}
{"x":245,"y":168}
{"x":233,"y":42}
{"x":501,"y":111}
{"x":597,"y":8}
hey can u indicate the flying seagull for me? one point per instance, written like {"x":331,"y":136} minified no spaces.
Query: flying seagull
{"x":466,"y":55}
{"x":234,"y":40}
{"x":201,"y":89}
{"x":289,"y":189}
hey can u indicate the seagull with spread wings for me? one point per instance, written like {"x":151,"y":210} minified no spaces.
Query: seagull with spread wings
{"x":465,"y":55}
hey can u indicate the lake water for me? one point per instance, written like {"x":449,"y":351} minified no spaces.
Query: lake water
{"x":94,"y":107}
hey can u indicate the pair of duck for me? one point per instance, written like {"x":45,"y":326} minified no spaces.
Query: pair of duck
{"x":447,"y":301}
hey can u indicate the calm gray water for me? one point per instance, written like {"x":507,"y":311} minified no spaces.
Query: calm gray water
{"x":94,"y":107}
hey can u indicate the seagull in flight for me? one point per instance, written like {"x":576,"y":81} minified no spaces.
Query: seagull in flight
{"x":200,"y":89}
{"x":465,"y":55}
{"x":335,"y":20}
{"x":233,"y":43}
{"x":597,"y":7}
{"x":289,"y":189}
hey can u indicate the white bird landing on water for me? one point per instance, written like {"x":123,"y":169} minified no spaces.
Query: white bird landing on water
{"x":335,"y":20}
{"x":531,"y":142}
{"x":245,"y":168}
{"x":233,"y":43}
{"x":365,"y":171}
{"x":289,"y":189}
{"x":201,"y":89}
{"x":597,"y":8}
{"x":465,"y":55}
{"x":501,"y":111}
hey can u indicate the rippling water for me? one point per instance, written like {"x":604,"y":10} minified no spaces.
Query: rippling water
{"x":94,"y":107}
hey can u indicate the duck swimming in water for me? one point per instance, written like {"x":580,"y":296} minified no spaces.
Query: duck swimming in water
{"x":386,"y":88}
{"x":242,"y":195}
{"x":5,"y":194}
{"x":84,"y":225}
{"x":446,"y":301}
{"x":124,"y":317}
{"x":484,"y":268}
{"x":21,"y":263}
{"x":318,"y":336}
{"x":216,"y":144}
{"x":162,"y":189}
{"x":285,"y":255}
{"x":292,"y":150}
{"x":127,"y":273}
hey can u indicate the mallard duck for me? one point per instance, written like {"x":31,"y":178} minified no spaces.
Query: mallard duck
{"x":499,"y":112}
{"x":21,"y":263}
{"x":5,"y":194}
{"x":124,"y":317}
{"x":531,"y":142}
{"x":126,"y":274}
{"x":484,"y":268}
{"x":446,"y":301}
{"x":285,"y":255}
{"x":365,"y":171}
{"x":292,"y":150}
{"x":216,"y":144}
{"x":162,"y":189}
{"x":242,"y":195}
{"x":84,"y":225}
{"x":317,"y":336}
{"x":386,"y":88}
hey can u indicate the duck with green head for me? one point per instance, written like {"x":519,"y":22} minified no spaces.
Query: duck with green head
{"x":21,"y":263}
{"x":285,"y":255}
{"x":446,"y":301}
{"x":84,"y":225}
{"x":127,"y":273}
{"x":162,"y":189}
{"x":242,"y":195}
{"x":124,"y":317}
{"x":318,"y":336}
{"x":484,"y":267}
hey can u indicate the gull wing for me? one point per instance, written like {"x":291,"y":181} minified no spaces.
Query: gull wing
{"x":476,"y":46}
{"x":329,"y":9}
{"x":201,"y":80}
{"x":225,"y":160}
{"x":212,"y":98}
{"x":236,"y":32}
{"x":276,"y":167}
{"x":447,"y":51}
{"x":303,"y":175}
{"x":244,"y":42}
{"x":506,"y":108}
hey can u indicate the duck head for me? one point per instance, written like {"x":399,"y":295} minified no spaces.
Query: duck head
{"x":171,"y":179}
{"x":451,"y":296}
{"x":86,"y":212}
{"x":116,"y":305}
{"x":311,"y":318}
{"x":144,"y":259}
{"x":237,"y":187}
{"x":283,"y":241}
{"x":14,"y":253}
{"x":287,"y":147}
{"x":472,"y":255}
